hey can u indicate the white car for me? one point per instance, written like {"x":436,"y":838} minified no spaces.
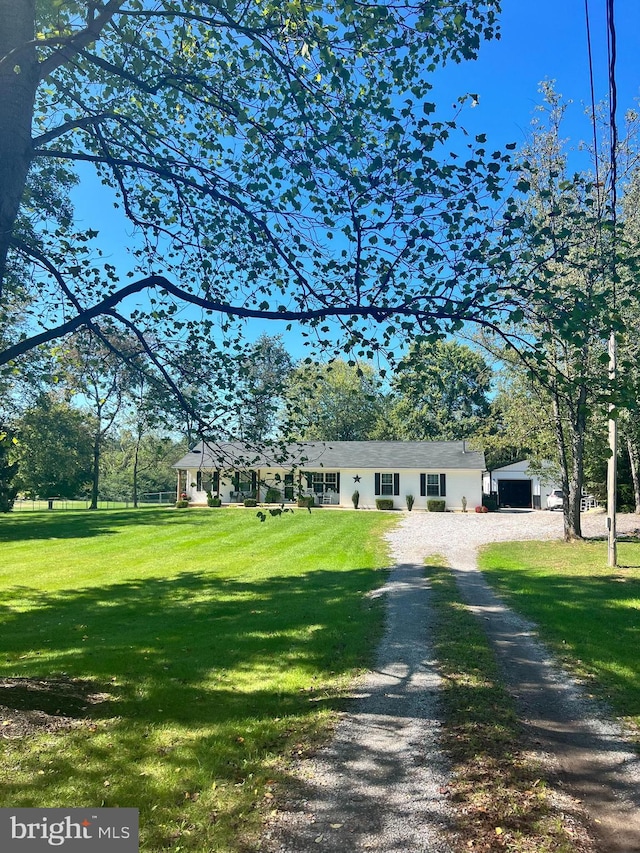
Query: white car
{"x":555,"y":500}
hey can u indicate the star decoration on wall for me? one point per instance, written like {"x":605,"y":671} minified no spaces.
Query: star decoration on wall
{"x":356,"y":479}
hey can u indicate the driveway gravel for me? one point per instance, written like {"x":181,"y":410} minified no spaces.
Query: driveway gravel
{"x":377,"y":786}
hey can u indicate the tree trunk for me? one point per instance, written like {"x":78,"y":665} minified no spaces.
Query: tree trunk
{"x":563,"y":459}
{"x":634,"y":461}
{"x":573,"y":528}
{"x":135,"y":473}
{"x":95,"y":478}
{"x":571,"y":464}
{"x":18,"y":83}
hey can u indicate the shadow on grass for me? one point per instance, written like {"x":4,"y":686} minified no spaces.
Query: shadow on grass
{"x":593,"y":619}
{"x":80,"y":524}
{"x":151,"y":641}
{"x":206,"y":683}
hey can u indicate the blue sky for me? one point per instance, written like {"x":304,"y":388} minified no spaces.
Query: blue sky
{"x":546,"y":39}
{"x":541,"y":39}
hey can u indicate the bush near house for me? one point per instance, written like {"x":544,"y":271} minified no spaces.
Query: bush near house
{"x":384,"y":503}
{"x":182,"y":504}
{"x":273,"y":496}
{"x":250,"y":502}
{"x":214,"y":501}
{"x":306,"y":501}
{"x":436,"y":505}
{"x":490,"y":503}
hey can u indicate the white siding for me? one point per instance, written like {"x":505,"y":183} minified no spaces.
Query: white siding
{"x":459,"y":483}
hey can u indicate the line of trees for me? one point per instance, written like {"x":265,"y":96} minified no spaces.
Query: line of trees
{"x":115,"y":439}
{"x":289,"y":163}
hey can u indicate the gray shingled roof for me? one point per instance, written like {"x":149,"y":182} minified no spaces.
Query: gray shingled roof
{"x":337,"y":454}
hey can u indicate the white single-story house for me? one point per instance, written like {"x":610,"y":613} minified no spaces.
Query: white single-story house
{"x":517,"y":485}
{"x":332,"y":471}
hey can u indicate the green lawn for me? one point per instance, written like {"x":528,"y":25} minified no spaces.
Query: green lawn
{"x":588,"y":612}
{"x":213,"y":645}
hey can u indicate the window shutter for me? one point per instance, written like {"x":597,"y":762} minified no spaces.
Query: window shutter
{"x":338,"y":482}
{"x":396,"y":484}
{"x":377,"y":484}
{"x":309,"y":478}
{"x":254,"y":481}
{"x":215,"y":484}
{"x":423,"y":485}
{"x":199,"y":481}
{"x":443,"y":485}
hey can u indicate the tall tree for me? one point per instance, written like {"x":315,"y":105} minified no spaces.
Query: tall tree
{"x":441,"y":391}
{"x":264,"y":374}
{"x":335,"y":402}
{"x":93,"y":372}
{"x":280,"y":162}
{"x":54,"y":450}
{"x":562,"y":291}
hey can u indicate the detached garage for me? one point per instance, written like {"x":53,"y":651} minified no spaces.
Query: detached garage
{"x":516,"y":493}
{"x":516,"y":486}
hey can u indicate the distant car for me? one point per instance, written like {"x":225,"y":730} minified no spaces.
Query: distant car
{"x":555,"y":500}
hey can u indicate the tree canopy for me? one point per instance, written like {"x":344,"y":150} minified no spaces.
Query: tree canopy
{"x":276,"y":161}
{"x":441,"y":393}
{"x":334,"y":402}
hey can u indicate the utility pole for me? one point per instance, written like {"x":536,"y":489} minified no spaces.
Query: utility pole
{"x":612,"y":466}
{"x":612,"y":463}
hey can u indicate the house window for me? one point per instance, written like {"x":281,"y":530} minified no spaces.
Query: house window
{"x":324,"y":481}
{"x":245,"y":482}
{"x":386,"y":484}
{"x":433,"y":485}
{"x":207,"y":481}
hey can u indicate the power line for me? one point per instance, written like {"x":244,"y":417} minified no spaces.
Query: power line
{"x":593,"y":107}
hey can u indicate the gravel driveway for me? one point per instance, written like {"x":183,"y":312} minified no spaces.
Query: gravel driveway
{"x":377,"y":786}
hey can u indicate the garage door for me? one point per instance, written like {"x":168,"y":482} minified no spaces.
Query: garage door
{"x":516,"y":493}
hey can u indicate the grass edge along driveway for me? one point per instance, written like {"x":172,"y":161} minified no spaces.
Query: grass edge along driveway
{"x":185,"y":656}
{"x":587,"y":612}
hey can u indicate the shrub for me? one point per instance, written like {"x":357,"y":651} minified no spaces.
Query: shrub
{"x":481,"y":509}
{"x":214,"y":501}
{"x":490,"y":503}
{"x":410,"y":502}
{"x":355,"y":497}
{"x":250,"y":502}
{"x":434,"y":505}
{"x":384,"y":503}
{"x":273,"y":496}
{"x":306,"y":501}
{"x":182,"y":504}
